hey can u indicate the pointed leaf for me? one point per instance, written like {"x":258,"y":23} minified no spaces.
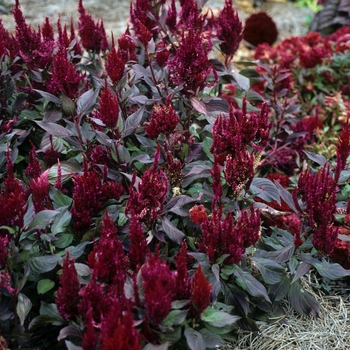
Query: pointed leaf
{"x":132,"y":122}
{"x":246,"y":281}
{"x":217,"y":318}
{"x":302,"y":269}
{"x":194,"y":339}
{"x":286,"y":196}
{"x":271,"y":272}
{"x":317,"y":158}
{"x":43,"y":219}
{"x":302,"y":301}
{"x":211,"y":339}
{"x":282,"y":255}
{"x":49,"y":96}
{"x":172,"y":232}
{"x":42,"y":264}
{"x":279,"y":290}
{"x":265,"y":189}
{"x":23,"y":307}
{"x":53,"y":128}
{"x":331,"y":271}
{"x":87,"y":101}
{"x":164,"y":346}
{"x":175,"y":317}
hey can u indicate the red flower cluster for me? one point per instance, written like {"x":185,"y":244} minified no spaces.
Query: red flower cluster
{"x":190,"y":66}
{"x":34,"y":47}
{"x":307,"y":51}
{"x":200,"y":292}
{"x":198,"y":214}
{"x":141,"y":20}
{"x":93,"y":36}
{"x":260,"y":28}
{"x":13,"y":199}
{"x":318,"y":192}
{"x":89,"y":185}
{"x":231,"y":136}
{"x":108,"y":112}
{"x":229,"y":30}
{"x":64,"y":77}
{"x":148,"y":200}
{"x":163,"y":120}
{"x":158,"y":283}
{"x":227,"y":237}
{"x":68,"y":292}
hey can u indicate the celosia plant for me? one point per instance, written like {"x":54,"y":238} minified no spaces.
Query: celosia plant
{"x":146,"y":191}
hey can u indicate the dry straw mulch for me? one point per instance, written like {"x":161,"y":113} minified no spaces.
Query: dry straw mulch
{"x":331,"y":330}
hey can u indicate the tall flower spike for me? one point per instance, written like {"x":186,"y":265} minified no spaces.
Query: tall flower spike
{"x":40,"y":192}
{"x":68,"y":292}
{"x":158,"y":283}
{"x":183,"y":281}
{"x":138,"y":244}
{"x":13,"y":199}
{"x":93,"y":36}
{"x":108,"y":111}
{"x":33,"y":169}
{"x":343,"y":151}
{"x":65,"y":78}
{"x":190,"y":66}
{"x":201,"y":291}
{"x":110,"y":264}
{"x":318,"y":192}
{"x":229,"y":30}
{"x":148,"y":201}
{"x":115,"y":64}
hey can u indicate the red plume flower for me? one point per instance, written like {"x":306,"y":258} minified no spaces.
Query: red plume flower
{"x":201,"y":291}
{"x":68,"y":292}
{"x":190,"y":66}
{"x":229,"y":30}
{"x":163,"y":120}
{"x":115,"y":64}
{"x":158,"y":282}
{"x":108,"y":111}
{"x":148,"y":200}
{"x":93,"y":35}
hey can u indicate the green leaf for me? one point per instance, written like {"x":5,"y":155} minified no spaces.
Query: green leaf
{"x":23,"y":307}
{"x":172,"y":232}
{"x":42,"y":264}
{"x":53,"y":129}
{"x":218,"y":318}
{"x":211,"y":339}
{"x":59,"y":199}
{"x":179,"y":304}
{"x":302,"y":301}
{"x":331,"y":271}
{"x":282,"y":255}
{"x":64,"y":240}
{"x":207,"y":142}
{"x":302,"y":269}
{"x":82,"y":269}
{"x":43,"y":219}
{"x":132,"y":122}
{"x":175,"y":317}
{"x":279,"y":290}
{"x":68,"y":169}
{"x":61,"y":221}
{"x":246,"y":281}
{"x":49,"y":96}
{"x":44,"y":285}
{"x":77,"y":251}
{"x":87,"y":101}
{"x":271,"y":272}
{"x":194,"y":339}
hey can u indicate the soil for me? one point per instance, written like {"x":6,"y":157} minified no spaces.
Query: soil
{"x":290,"y":20}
